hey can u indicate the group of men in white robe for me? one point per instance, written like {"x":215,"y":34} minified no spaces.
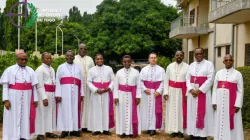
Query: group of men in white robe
{"x":81,"y":96}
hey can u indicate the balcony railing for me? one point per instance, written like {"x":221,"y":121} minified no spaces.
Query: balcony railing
{"x":189,"y":21}
{"x":215,"y":4}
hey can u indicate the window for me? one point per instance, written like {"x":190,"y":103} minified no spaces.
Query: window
{"x":247,"y":55}
{"x":206,"y":54}
{"x":192,"y":15}
{"x":219,"y":51}
{"x":191,"y":57}
{"x":227,"y":49}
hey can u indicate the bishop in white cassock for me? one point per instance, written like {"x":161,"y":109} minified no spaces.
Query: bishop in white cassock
{"x":152,"y":81}
{"x":199,"y":80}
{"x":46,"y":110}
{"x":127,"y":94}
{"x":100,"y":82}
{"x":227,"y":101}
{"x":85,"y":62}
{"x":20,"y":99}
{"x":175,"y":96}
{"x":69,"y":93}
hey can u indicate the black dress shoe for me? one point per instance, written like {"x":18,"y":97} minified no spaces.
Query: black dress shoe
{"x":152,"y":132}
{"x":84,"y":130}
{"x":173,"y":135}
{"x":64,"y":134}
{"x":40,"y":137}
{"x":193,"y":138}
{"x":180,"y":135}
{"x":51,"y":135}
{"x":76,"y":133}
{"x":148,"y":131}
{"x":96,"y":133}
{"x":203,"y":138}
{"x":132,"y":136}
{"x":106,"y":133}
{"x":22,"y":139}
{"x":123,"y":135}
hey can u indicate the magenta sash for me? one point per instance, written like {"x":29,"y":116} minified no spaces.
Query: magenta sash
{"x":27,"y":86}
{"x":201,"y":110}
{"x":232,"y":87}
{"x":49,"y":88}
{"x":73,"y":80}
{"x":132,"y":89}
{"x":158,"y":102}
{"x":111,"y":102}
{"x":183,"y":87}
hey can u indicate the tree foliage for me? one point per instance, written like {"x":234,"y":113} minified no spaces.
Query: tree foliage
{"x":75,"y":15}
{"x":133,"y":27}
{"x":10,"y":31}
{"x":2,"y":40}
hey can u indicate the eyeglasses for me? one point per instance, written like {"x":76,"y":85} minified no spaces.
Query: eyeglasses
{"x":228,"y":60}
{"x":23,"y":59}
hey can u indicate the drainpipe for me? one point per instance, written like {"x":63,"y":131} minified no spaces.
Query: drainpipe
{"x":214,"y":48}
{"x":236,"y":46}
{"x":232,"y":43}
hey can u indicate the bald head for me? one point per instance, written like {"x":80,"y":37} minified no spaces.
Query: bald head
{"x":82,"y":49}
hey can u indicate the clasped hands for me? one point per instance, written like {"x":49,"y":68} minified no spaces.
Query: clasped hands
{"x":148,"y":92}
{"x":195,"y":93}
{"x":101,"y":91}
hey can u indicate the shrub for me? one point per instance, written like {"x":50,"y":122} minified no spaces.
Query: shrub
{"x":245,"y":71}
{"x":163,"y":61}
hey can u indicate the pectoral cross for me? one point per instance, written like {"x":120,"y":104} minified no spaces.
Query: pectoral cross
{"x":74,"y":82}
{"x":102,"y":81}
{"x":25,"y":83}
{"x":195,"y":79}
{"x":223,"y":86}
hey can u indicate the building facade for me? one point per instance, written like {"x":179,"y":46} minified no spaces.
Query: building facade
{"x":218,"y":26}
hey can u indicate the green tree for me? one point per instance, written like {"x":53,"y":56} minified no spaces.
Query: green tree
{"x":2,"y":40}
{"x":10,"y":31}
{"x":136,"y":27}
{"x":75,"y":15}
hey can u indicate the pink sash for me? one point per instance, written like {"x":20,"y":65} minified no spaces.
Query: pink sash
{"x":201,"y":110}
{"x":158,"y":102}
{"x":232,"y":87}
{"x":73,"y":80}
{"x":132,"y":89}
{"x":183,"y":86}
{"x":111,"y":102}
{"x":49,"y":88}
{"x":27,"y":86}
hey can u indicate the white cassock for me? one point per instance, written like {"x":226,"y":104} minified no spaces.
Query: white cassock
{"x":99,"y":117}
{"x":85,"y":63}
{"x":16,"y":121}
{"x":226,"y":79}
{"x":197,"y":71}
{"x":46,"y":116}
{"x":124,"y":116}
{"x":174,"y":86}
{"x":152,"y":77}
{"x":68,"y":79}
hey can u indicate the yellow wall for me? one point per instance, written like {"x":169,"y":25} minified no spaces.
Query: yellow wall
{"x":242,"y":37}
{"x":223,"y":33}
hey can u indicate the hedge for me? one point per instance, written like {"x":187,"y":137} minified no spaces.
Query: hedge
{"x":245,"y":71}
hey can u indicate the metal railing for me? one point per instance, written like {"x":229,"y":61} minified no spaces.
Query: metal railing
{"x":189,"y":21}
{"x":215,"y":4}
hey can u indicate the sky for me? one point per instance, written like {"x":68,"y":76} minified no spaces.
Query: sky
{"x":65,"y":5}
